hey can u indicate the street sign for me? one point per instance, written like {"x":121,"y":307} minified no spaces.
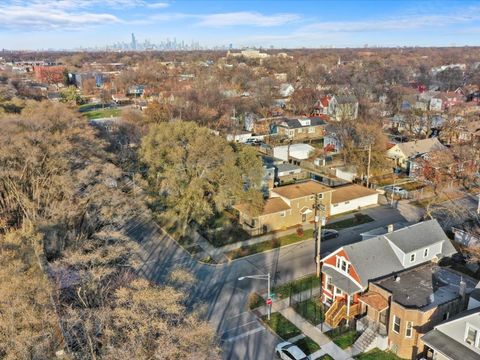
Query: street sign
{"x":269,"y":301}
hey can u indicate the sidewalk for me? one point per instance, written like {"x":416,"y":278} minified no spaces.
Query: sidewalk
{"x":267,"y":237}
{"x":327,"y":345}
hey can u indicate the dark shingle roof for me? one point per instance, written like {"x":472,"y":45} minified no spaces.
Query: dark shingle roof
{"x":447,"y":346}
{"x":295,"y":123}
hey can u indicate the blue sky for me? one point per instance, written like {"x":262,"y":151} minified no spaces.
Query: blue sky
{"x":42,"y":24}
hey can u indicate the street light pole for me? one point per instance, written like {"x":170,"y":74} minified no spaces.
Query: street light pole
{"x":318,"y":233}
{"x":262,"y":277}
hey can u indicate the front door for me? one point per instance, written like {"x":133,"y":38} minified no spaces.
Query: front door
{"x":383,"y":318}
{"x":304,"y":217}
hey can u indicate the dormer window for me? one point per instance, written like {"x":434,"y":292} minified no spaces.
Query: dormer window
{"x":343,"y":264}
{"x":471,"y":336}
{"x":425,"y":253}
{"x":412,"y":257}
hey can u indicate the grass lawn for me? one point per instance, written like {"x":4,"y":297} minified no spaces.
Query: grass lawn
{"x":345,"y":339}
{"x":255,"y":301}
{"x":358,"y":219}
{"x":269,"y":245}
{"x":102,"y":113}
{"x":310,"y":310}
{"x":377,"y":354}
{"x":296,"y":286}
{"x":325,"y":357}
{"x":307,"y":345}
{"x":280,"y":325}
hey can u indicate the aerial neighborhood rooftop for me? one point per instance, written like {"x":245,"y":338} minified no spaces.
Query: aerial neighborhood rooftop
{"x":177,"y":200}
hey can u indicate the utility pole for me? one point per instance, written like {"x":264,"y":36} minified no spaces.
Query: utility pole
{"x":319,"y":208}
{"x":368,"y":166}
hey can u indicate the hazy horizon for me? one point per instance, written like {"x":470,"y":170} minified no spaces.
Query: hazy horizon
{"x":71,"y":24}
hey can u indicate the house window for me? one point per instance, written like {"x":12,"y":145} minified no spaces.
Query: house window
{"x":320,"y":196}
{"x":471,"y":335}
{"x":347,"y":202}
{"x":412,"y":257}
{"x":291,"y":132}
{"x":409,"y":329}
{"x":300,"y":130}
{"x":446,"y":315}
{"x":282,"y":214}
{"x":338,"y":291}
{"x":335,"y":205}
{"x":311,"y":129}
{"x":342,"y":264}
{"x":425,"y":252}
{"x":396,"y":324}
{"x":312,"y":197}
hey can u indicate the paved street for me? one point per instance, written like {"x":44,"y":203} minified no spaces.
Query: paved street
{"x":242,"y":336}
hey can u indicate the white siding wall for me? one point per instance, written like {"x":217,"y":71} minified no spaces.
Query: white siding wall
{"x":342,"y":207}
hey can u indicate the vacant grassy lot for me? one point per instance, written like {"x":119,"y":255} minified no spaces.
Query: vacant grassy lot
{"x":280,"y":325}
{"x":269,"y":245}
{"x":102,"y":113}
{"x":377,"y":354}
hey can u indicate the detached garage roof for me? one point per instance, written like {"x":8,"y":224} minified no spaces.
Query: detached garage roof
{"x":350,"y":192}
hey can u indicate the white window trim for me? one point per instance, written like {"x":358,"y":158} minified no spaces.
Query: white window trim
{"x":340,"y":261}
{"x":311,"y":129}
{"x":425,"y":252}
{"x":399,"y":324}
{"x":414,"y":256}
{"x":406,"y":329}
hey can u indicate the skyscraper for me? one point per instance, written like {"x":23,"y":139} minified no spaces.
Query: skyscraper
{"x":134,"y":42}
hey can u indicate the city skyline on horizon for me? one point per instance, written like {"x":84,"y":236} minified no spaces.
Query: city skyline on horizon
{"x":90,"y":24}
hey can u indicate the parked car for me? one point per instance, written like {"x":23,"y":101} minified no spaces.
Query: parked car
{"x":397,"y":190}
{"x":254,"y":142}
{"x":289,"y":351}
{"x":328,"y":234}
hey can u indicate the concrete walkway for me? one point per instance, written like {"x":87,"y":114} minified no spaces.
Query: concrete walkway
{"x":327,"y":345}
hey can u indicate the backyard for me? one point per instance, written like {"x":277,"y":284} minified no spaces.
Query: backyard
{"x":102,"y":113}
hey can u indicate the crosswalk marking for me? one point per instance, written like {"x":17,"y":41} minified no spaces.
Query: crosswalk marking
{"x":245,"y":334}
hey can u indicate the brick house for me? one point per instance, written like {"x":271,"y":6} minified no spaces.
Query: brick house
{"x":288,"y":206}
{"x":293,"y":205}
{"x":405,"y":306}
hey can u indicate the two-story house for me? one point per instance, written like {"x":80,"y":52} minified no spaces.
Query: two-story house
{"x":303,"y":128}
{"x":294,"y":205}
{"x":288,"y":206}
{"x":347,"y":271}
{"x":457,"y":338}
{"x":343,"y":107}
{"x":402,"y":307}
{"x":402,"y":154}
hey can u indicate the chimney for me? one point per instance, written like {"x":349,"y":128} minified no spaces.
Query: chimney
{"x":462,"y":288}
{"x":390,"y":228}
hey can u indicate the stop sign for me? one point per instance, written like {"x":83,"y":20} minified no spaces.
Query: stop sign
{"x":269,"y":301}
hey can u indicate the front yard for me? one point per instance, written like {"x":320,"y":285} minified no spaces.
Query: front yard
{"x":377,"y":354}
{"x":358,"y":219}
{"x":305,"y":283}
{"x":343,"y":339}
{"x":311,"y":310}
{"x":281,"y":326}
{"x":269,"y":245}
{"x":286,"y":330}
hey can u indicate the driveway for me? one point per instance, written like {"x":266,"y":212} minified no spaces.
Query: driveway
{"x":242,"y":336}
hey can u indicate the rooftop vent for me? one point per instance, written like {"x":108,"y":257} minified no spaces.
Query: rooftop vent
{"x":397,"y":278}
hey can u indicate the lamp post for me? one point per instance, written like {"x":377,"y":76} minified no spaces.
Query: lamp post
{"x":262,"y":277}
